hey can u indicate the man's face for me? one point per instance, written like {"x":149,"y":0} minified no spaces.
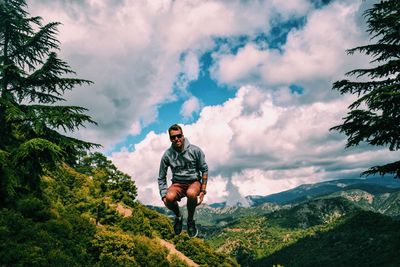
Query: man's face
{"x":176,"y":138}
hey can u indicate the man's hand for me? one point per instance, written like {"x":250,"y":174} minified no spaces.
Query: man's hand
{"x":200,"y":198}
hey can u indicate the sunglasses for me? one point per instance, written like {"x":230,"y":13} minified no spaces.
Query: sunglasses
{"x":172,"y":137}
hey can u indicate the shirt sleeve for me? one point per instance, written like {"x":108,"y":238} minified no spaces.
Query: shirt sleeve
{"x":162,"y":176}
{"x":201,"y":162}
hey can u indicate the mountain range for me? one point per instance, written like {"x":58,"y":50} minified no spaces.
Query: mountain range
{"x":345,"y":222}
{"x":380,"y":194}
{"x":309,"y":191}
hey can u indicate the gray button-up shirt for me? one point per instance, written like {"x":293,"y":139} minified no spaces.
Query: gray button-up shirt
{"x":187,"y":166}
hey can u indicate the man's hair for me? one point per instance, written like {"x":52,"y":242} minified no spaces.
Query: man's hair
{"x":175,"y":127}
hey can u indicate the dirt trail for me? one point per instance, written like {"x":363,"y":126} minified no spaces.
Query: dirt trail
{"x":173,"y":250}
{"x":126,"y":212}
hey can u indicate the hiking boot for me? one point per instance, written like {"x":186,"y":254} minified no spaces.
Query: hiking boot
{"x":191,"y":228}
{"x":178,"y":225}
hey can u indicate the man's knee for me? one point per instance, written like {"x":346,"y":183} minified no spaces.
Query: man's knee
{"x":192,"y":194}
{"x":170,"y":197}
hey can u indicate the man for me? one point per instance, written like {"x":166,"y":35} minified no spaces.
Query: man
{"x":189,"y":178}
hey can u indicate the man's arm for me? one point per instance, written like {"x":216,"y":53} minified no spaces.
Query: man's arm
{"x":162,"y":177}
{"x":203,"y":188}
{"x":204,"y":179}
{"x":203,"y":168}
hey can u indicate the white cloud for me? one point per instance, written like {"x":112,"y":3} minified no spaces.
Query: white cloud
{"x":135,"y":128}
{"x":318,"y":50}
{"x":272,"y":181}
{"x":132,"y":51}
{"x":242,"y":65}
{"x":257,"y":147}
{"x":190,"y":106}
{"x":291,"y":8}
{"x":191,"y":66}
{"x":218,"y":190}
{"x":189,"y":71}
{"x":314,"y":52}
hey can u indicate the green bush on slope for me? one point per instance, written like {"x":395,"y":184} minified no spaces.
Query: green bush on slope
{"x":56,"y":242}
{"x":113,"y":247}
{"x":200,"y":252}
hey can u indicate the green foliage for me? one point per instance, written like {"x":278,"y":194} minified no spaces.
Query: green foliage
{"x":354,"y":242}
{"x":145,"y":221}
{"x":374,"y":117}
{"x":61,"y":242}
{"x":312,"y":213}
{"x":137,"y":224}
{"x":149,"y":252}
{"x":252,"y":237}
{"x":33,"y":157}
{"x":95,"y":188}
{"x":119,"y":186}
{"x":200,"y":252}
{"x":33,"y":208}
{"x":160,"y":224}
{"x":177,"y":262}
{"x":106,"y":213}
{"x":115,"y":248}
{"x":54,"y":227}
{"x":8,"y":181}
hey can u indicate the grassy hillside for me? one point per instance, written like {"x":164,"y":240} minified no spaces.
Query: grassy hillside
{"x":88,"y":216}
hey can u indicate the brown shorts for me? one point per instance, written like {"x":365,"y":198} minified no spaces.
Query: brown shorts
{"x":181,"y":189}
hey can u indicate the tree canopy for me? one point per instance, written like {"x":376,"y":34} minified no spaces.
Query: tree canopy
{"x":33,"y":80}
{"x":374,"y":117}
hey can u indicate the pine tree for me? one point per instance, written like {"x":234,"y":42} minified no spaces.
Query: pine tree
{"x":374,"y":117}
{"x":32,"y":81}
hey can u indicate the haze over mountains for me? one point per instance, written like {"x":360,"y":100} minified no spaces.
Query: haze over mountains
{"x":381,"y":194}
{"x":308,"y":191}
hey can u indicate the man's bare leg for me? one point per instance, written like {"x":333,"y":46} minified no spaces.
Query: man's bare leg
{"x":191,"y":206}
{"x":171,"y":203}
{"x":191,"y":194}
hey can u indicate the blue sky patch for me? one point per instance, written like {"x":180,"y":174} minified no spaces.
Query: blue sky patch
{"x":277,"y":36}
{"x":296,"y":89}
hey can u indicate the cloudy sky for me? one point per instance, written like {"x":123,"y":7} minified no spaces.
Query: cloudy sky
{"x":249,"y":81}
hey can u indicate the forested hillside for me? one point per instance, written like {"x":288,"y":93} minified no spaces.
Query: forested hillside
{"x":88,"y":216}
{"x":331,"y":231}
